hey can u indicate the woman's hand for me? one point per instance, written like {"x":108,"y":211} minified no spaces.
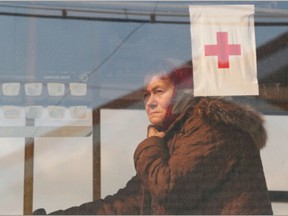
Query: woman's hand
{"x":155,"y":130}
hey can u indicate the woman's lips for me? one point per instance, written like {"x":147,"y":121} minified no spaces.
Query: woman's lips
{"x":153,"y":113}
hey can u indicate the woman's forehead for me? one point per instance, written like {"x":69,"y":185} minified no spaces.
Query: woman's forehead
{"x":155,"y":77}
{"x":155,"y":81}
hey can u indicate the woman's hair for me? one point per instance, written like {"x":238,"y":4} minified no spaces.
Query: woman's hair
{"x":180,"y":75}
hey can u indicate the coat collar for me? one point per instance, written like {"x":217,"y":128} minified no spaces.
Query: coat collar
{"x":218,"y":111}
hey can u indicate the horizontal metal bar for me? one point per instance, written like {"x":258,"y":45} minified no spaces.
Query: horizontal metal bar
{"x":123,"y":20}
{"x":278,"y":196}
{"x":45,"y":131}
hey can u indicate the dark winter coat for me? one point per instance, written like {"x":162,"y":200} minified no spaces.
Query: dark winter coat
{"x":207,"y":163}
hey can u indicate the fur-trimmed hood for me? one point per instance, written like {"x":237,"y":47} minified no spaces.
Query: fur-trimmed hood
{"x":243,"y":117}
{"x":217,"y":110}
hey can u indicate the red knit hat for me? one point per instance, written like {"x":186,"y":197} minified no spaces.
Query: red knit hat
{"x":182,"y":77}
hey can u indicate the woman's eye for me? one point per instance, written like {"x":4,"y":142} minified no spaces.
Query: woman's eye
{"x":159,"y":91}
{"x":145,"y":95}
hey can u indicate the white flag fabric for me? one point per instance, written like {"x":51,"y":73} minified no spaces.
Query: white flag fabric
{"x":223,"y":50}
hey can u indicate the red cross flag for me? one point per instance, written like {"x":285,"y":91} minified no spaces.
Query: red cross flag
{"x":223,"y":50}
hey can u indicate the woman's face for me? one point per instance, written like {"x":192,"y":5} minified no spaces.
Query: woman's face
{"x":157,"y":99}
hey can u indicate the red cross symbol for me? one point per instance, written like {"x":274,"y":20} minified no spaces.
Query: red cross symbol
{"x":222,"y":50}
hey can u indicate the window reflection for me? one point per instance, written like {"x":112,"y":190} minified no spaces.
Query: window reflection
{"x":58,"y":72}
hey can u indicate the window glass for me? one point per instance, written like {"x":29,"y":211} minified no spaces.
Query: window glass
{"x":70,"y":76}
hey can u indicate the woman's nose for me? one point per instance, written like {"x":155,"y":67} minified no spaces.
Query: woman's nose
{"x":151,"y":103}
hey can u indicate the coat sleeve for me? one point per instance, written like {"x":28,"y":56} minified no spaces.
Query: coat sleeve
{"x":196,"y":165}
{"x":125,"y":201}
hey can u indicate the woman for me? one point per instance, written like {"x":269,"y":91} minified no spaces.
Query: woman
{"x":201,"y":156}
